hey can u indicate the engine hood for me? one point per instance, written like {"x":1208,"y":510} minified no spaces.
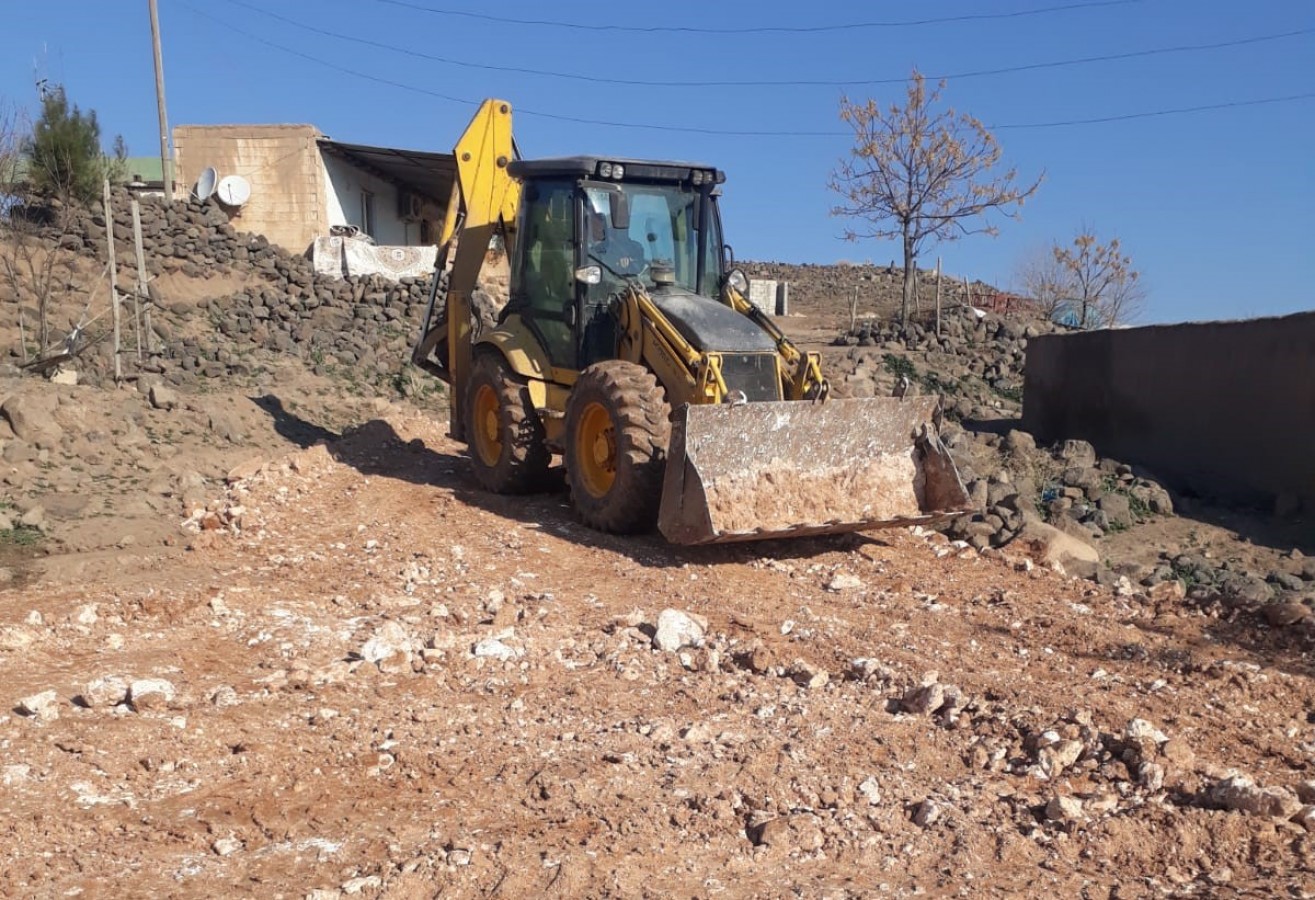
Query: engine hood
{"x":709,"y":325}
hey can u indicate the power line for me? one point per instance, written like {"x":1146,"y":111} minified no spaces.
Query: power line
{"x":758,"y":29}
{"x":1161,"y":112}
{"x":469,"y":102}
{"x":855,"y":82}
{"x":721,"y":131}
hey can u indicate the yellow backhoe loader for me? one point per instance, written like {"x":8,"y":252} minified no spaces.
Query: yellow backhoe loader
{"x":628,"y":347}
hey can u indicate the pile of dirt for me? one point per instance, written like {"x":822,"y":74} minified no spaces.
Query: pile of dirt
{"x":90,"y":473}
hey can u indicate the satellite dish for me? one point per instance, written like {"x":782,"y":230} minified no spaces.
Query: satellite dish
{"x":233,"y":190}
{"x":205,"y":185}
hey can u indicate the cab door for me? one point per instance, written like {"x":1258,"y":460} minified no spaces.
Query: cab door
{"x":544,"y":289}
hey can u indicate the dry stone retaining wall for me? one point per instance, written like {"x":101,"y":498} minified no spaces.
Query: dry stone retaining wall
{"x":366,"y":325}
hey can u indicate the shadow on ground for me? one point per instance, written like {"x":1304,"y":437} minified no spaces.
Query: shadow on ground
{"x":289,"y":426}
{"x":377,"y":450}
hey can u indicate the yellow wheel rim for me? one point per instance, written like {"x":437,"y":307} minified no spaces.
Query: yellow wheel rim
{"x":485,"y":427}
{"x":595,"y":449}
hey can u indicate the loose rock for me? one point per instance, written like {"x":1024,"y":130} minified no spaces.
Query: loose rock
{"x":676,"y":629}
{"x":43,"y":706}
{"x":1241,"y":794}
{"x":150,"y":693}
{"x":110,"y":690}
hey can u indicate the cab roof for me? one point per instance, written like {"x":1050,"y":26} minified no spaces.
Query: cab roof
{"x":584,"y":166}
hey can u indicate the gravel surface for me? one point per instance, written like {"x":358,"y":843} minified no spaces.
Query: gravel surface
{"x":365,"y":678}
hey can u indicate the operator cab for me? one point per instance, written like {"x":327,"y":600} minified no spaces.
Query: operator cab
{"x":589,"y":225}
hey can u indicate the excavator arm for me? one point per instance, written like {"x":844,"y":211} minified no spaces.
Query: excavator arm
{"x":484,"y":201}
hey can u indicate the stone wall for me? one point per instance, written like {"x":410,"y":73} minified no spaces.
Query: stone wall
{"x":1225,"y":410}
{"x":360,"y":327}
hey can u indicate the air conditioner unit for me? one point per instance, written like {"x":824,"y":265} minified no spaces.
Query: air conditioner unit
{"x":410,"y":206}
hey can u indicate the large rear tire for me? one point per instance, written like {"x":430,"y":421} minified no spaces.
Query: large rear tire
{"x":507,"y":448}
{"x":618,"y":426}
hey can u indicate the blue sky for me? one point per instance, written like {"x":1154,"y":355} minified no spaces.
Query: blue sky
{"x":1214,"y":206}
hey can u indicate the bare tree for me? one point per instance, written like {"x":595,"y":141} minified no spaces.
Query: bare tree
{"x":918,"y":173}
{"x":1104,"y":288}
{"x":1042,"y":278}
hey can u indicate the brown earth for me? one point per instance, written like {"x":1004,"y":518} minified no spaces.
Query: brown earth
{"x":382,"y":682}
{"x":387,"y":684}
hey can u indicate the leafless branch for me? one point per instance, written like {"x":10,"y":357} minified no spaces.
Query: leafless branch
{"x":919,"y":173}
{"x":1105,"y":290}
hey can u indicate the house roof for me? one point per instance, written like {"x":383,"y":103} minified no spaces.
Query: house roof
{"x":420,"y":171}
{"x":144,"y":168}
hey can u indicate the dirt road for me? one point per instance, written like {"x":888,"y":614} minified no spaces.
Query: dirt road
{"x":372,"y":680}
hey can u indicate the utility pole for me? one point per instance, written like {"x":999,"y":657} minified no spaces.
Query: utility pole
{"x":166,"y":162}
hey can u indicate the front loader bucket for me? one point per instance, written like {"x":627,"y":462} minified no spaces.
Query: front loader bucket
{"x":768,"y":470}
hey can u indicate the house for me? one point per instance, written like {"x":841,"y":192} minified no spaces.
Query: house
{"x":302,"y":184}
{"x":144,"y":175}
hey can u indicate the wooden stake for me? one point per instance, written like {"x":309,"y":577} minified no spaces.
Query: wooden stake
{"x":938,"y":296}
{"x":114,"y":284}
{"x":22,"y":332}
{"x":142,"y":297}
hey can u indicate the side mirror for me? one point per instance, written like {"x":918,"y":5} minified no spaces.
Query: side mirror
{"x":619,"y":207}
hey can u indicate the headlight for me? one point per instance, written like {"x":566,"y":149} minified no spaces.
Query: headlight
{"x":605,"y":170}
{"x":618,"y":171}
{"x":697,"y":177}
{"x":737,"y":280}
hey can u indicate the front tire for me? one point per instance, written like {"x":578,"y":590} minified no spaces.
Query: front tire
{"x":618,"y":426}
{"x":507,"y":449}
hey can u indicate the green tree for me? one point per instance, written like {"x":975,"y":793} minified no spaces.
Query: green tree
{"x":64,"y":150}
{"x":918,"y":173}
{"x":117,"y":165}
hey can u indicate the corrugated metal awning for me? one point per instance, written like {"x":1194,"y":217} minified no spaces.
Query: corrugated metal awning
{"x":428,"y":174}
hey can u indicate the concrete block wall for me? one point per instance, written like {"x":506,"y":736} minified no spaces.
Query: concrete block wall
{"x":282,"y":164}
{"x":1223,"y":409}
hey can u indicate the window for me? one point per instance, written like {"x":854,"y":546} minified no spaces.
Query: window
{"x":663,"y":227}
{"x":546,"y":265}
{"x":367,"y":213}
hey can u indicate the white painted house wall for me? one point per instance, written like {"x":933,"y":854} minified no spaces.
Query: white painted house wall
{"x":344,"y":185}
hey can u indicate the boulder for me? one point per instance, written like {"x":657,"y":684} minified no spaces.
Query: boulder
{"x":1019,"y":442}
{"x":1054,"y":546}
{"x":31,"y":415}
{"x":1079,"y":454}
{"x":162,"y":397}
{"x":1117,"y":510}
